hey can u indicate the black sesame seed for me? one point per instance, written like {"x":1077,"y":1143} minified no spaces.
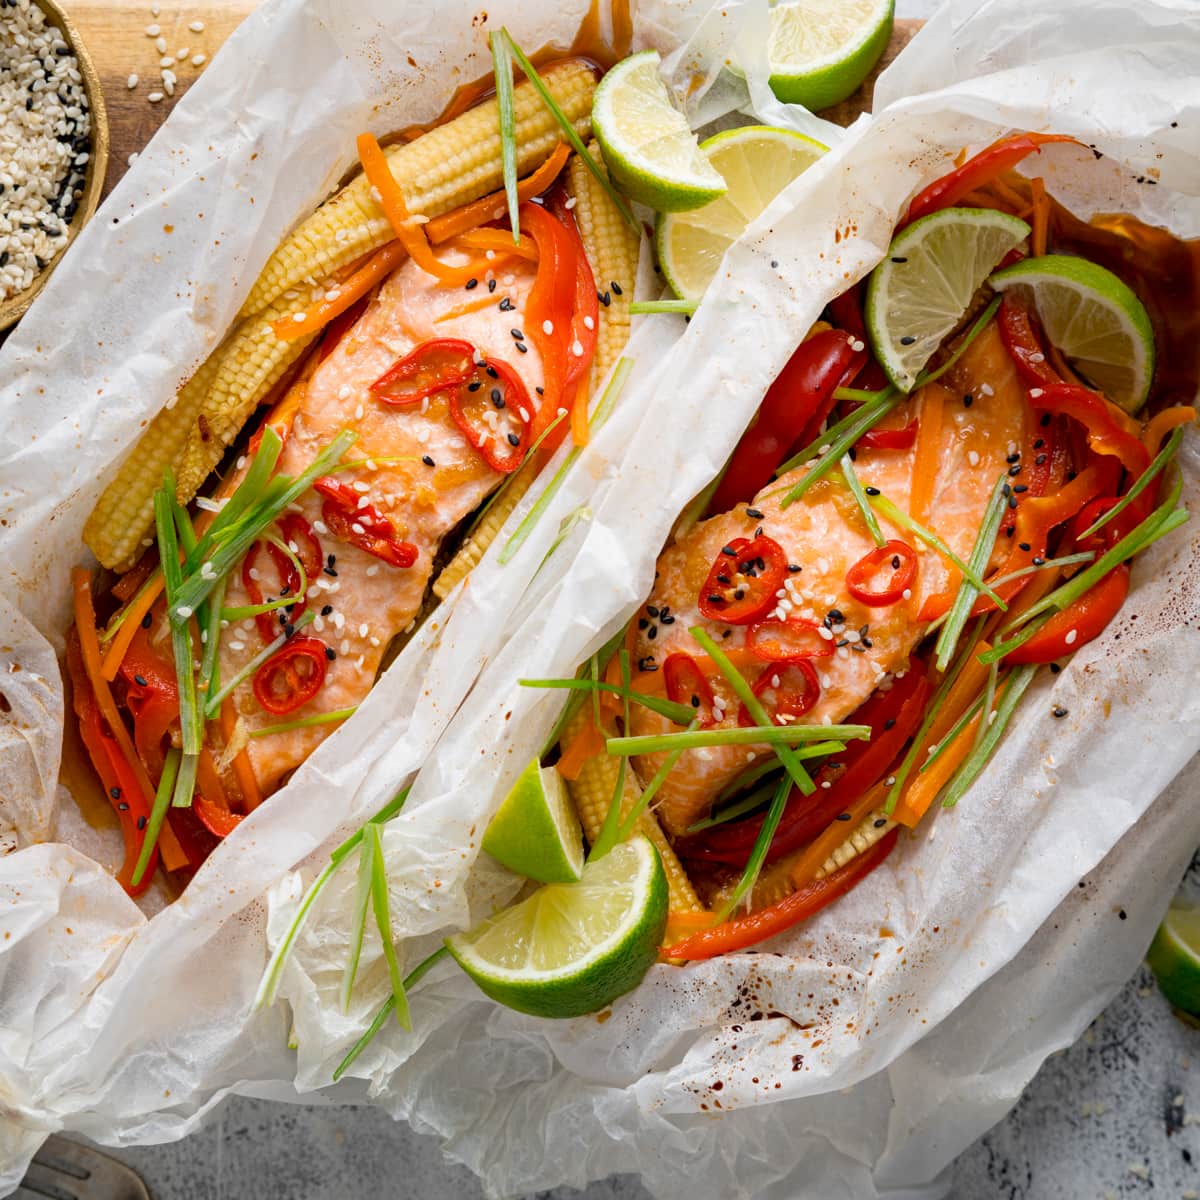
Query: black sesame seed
{"x":521,"y":347}
{"x":425,"y":458}
{"x":1014,"y":457}
{"x":506,"y":305}
{"x":604,"y":298}
{"x":474,"y":385}
{"x":668,"y":620}
{"x":492,"y":372}
{"x":1059,"y":712}
{"x":794,"y":567}
{"x":880,"y":822}
{"x":1020,"y":487}
{"x":896,"y":258}
{"x":491,"y":285}
{"x":1010,"y":531}
{"x":890,"y":723}
{"x":652,"y":632}
{"x":288,"y":629}
{"x":653,"y":610}
{"x":517,"y":334}
{"x":1123,"y":915}
{"x":871,"y":491}
{"x":907,"y":340}
{"x":326,"y":609}
{"x":1045,"y":420}
{"x":968,"y":400}
{"x":1055,"y":668}
{"x":1039,"y":443}
{"x":497,"y":398}
{"x":330,"y":653}
{"x":472,"y":284}
{"x":141,"y":822}
{"x":122,"y":807}
{"x":729,"y":551}
{"x":836,"y":616}
{"x":513,"y":440}
{"x":754,"y":514}
{"x":1024,"y":546}
{"x":146,"y":621}
{"x":1039,"y":562}
{"x":616,"y":288}
{"x":843,"y":816}
{"x":140,"y":680}
{"x":115,"y":793}
{"x":643,"y":623}
{"x":895,"y":562}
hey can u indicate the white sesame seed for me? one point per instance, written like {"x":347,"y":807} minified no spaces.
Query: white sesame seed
{"x":987,"y":389}
{"x":824,"y":633}
{"x":1070,"y":638}
{"x":160,"y":44}
{"x":236,"y":645}
{"x":132,"y":81}
{"x":359,"y":486}
{"x":547,"y":327}
{"x":356,"y":527}
{"x":131,"y":160}
{"x":153,"y":31}
{"x":197,"y":26}
{"x":363,"y":630}
{"x":577,"y":348}
{"x":198,"y":60}
{"x":1035,"y":392}
{"x":183,"y":612}
{"x":300,"y":316}
{"x":973,"y":457}
{"x":182,"y":53}
{"x":167,"y":61}
{"x":154,"y":97}
{"x":570,"y":204}
{"x":907,"y":593}
{"x":358,"y":413}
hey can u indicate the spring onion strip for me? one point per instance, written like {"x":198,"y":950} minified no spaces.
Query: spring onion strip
{"x":856,"y":489}
{"x":577,"y":700}
{"x":931,"y":713}
{"x":751,"y":775}
{"x":758,"y":714}
{"x":981,"y":554}
{"x":681,"y":714}
{"x":1161,"y":459}
{"x":410,"y":980}
{"x":252,"y":610}
{"x":663,"y":306}
{"x":898,"y":517}
{"x":325,"y":718}
{"x":1014,"y":689}
{"x":209,"y":665}
{"x":989,"y":701}
{"x":601,"y":414}
{"x":975,"y":330}
{"x":282,"y":491}
{"x":358,"y":927}
{"x":503,"y":74}
{"x":823,"y":444}
{"x":772,"y":735}
{"x":855,"y":395}
{"x":530,"y":73}
{"x":158,"y":812}
{"x":650,"y":791}
{"x":576,"y":516}
{"x":746,"y":804}
{"x":383,"y":919}
{"x":758,"y":855}
{"x":608,"y":836}
{"x":269,"y":984}
{"x":1067,"y":560}
{"x":936,"y":752}
{"x":119,"y":617}
{"x":214,"y":703}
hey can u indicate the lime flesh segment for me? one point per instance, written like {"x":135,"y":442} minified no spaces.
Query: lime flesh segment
{"x":535,"y":832}
{"x":573,"y":948}
{"x":924,"y":287}
{"x":757,"y":162}
{"x":1174,"y":957}
{"x":1093,"y":317}
{"x":820,"y":51}
{"x":648,"y":148}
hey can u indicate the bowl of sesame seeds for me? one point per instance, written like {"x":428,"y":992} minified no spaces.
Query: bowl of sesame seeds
{"x":53,"y":146}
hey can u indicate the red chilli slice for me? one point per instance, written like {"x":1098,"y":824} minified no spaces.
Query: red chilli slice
{"x":883,"y":576}
{"x":743,"y":580}
{"x":687,"y":684}
{"x":495,"y":417}
{"x":434,"y":366}
{"x":787,"y":691}
{"x":292,"y":676}
{"x":791,"y":640}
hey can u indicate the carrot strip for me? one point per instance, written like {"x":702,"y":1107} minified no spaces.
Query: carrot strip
{"x":381,"y":264}
{"x":1041,"y":217}
{"x":499,"y":240}
{"x":247,"y":780}
{"x":812,"y":858}
{"x":920,"y":794}
{"x":463,"y":309}
{"x":493,"y":206}
{"x":587,"y":743}
{"x":958,"y":699}
{"x":1162,"y":423}
{"x":929,"y":445}
{"x":580,"y":430}
{"x":139,"y":606}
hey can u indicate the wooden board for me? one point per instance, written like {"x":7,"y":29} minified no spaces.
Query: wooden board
{"x":115,"y":33}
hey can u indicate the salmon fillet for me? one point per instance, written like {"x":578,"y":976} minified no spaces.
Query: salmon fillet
{"x":362,"y":602}
{"x":824,"y":534}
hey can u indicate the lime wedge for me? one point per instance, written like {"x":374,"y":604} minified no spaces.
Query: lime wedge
{"x":648,"y":148}
{"x":925,"y":285}
{"x":757,"y":162}
{"x":1093,"y":318}
{"x":821,"y":50}
{"x":535,"y":832}
{"x":573,"y":948}
{"x":1174,"y":957}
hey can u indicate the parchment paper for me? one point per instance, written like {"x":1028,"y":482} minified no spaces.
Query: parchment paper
{"x":838,"y":1062}
{"x":130,"y":1029}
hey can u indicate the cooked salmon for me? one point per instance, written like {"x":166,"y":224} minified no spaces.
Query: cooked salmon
{"x":824,"y":535}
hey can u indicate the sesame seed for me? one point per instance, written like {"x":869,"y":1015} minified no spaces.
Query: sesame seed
{"x":132,"y":81}
{"x":160,"y":44}
{"x":1058,"y":712}
{"x":153,"y":31}
{"x":198,"y":60}
{"x":197,"y":26}
{"x":1071,"y":637}
{"x":907,"y":340}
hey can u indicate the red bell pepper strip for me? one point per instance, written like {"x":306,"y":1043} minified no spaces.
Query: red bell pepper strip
{"x":220,"y":822}
{"x":1109,"y":430}
{"x":894,"y":558}
{"x":980,"y":169}
{"x":362,"y":525}
{"x":1077,"y":624}
{"x":115,"y":772}
{"x":195,"y":839}
{"x":889,"y":439}
{"x":292,"y":676}
{"x":786,"y":690}
{"x":893,"y":716}
{"x":803,"y":903}
{"x":438,"y":365}
{"x":686,"y":683}
{"x":1024,"y":346}
{"x":585,"y":315}
{"x":789,"y":640}
{"x":803,"y":388}
{"x":152,"y":697}
{"x":497,"y":417}
{"x":742,"y":582}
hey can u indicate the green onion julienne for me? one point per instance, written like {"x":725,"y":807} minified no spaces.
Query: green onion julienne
{"x":569,"y":132}
{"x":158,"y":811}
{"x":325,"y":718}
{"x":758,"y":855}
{"x":1161,"y":459}
{"x":680,"y":714}
{"x":609,"y":829}
{"x":981,"y":554}
{"x":856,"y":490}
{"x":212,"y":706}
{"x":746,"y":804}
{"x":827,"y":736}
{"x":358,"y":926}
{"x":383,"y":919}
{"x":650,"y":790}
{"x":648,"y":307}
{"x":503,"y":75}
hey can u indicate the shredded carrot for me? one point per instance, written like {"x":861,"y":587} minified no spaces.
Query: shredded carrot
{"x":958,"y":699}
{"x":812,"y":858}
{"x":463,"y":309}
{"x":923,"y":789}
{"x":130,"y":583}
{"x":136,"y":612}
{"x":579,"y":413}
{"x":928,"y":451}
{"x":500,"y":241}
{"x":1041,"y":217}
{"x":587,"y":743}
{"x":1009,"y":195}
{"x":1162,"y":423}
{"x":381,"y":264}
{"x":492,"y":207}
{"x":208,"y":780}
{"x":247,"y":780}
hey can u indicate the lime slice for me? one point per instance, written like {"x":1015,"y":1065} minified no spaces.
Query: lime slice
{"x":535,"y":832}
{"x":1174,"y":957}
{"x":1093,"y":318}
{"x":573,"y":948}
{"x":821,"y":50}
{"x":925,"y":285}
{"x":757,"y":162}
{"x":648,"y":148}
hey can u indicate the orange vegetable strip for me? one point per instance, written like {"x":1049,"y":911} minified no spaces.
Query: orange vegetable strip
{"x":959,"y":698}
{"x":1041,"y":217}
{"x":929,"y":444}
{"x":381,"y":264}
{"x":612,"y":672}
{"x":501,"y":241}
{"x":579,"y":414}
{"x":587,"y":743}
{"x":492,"y":207}
{"x":463,"y":309}
{"x":812,"y":858}
{"x":923,"y":789}
{"x":247,"y":780}
{"x":1162,"y":423}
{"x":139,"y":606}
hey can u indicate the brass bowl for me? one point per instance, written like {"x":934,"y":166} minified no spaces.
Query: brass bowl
{"x":15,"y":306}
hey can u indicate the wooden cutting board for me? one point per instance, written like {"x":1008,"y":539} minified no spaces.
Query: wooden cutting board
{"x":116,"y":34}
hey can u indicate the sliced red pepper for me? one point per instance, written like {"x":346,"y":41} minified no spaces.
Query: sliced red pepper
{"x":896,"y":562}
{"x":362,"y":525}
{"x":1109,"y":430}
{"x":802,"y":391}
{"x":292,"y":676}
{"x":803,"y":903}
{"x":686,"y":683}
{"x":219,"y":821}
{"x":585,"y":315}
{"x":268,"y":629}
{"x":979,"y":170}
{"x":438,"y":365}
{"x":195,"y":839}
{"x":889,"y":439}
{"x":786,"y":690}
{"x":496,"y":418}
{"x":1023,"y":343}
{"x":743,"y":580}
{"x":1078,"y":623}
{"x":152,"y":697}
{"x":788,"y":640}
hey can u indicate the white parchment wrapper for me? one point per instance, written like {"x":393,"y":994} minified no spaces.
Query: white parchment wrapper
{"x":130,"y":1029}
{"x":859,"y":1054}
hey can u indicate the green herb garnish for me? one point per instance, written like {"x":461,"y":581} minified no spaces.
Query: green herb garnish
{"x":680,"y":714}
{"x":758,"y":854}
{"x":503,"y":74}
{"x":358,"y":925}
{"x":158,"y":811}
{"x":383,"y":919}
{"x":325,"y":718}
{"x":212,"y":707}
{"x":860,"y":497}
{"x":1161,"y":459}
{"x":663,"y":306}
{"x":755,"y":735}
